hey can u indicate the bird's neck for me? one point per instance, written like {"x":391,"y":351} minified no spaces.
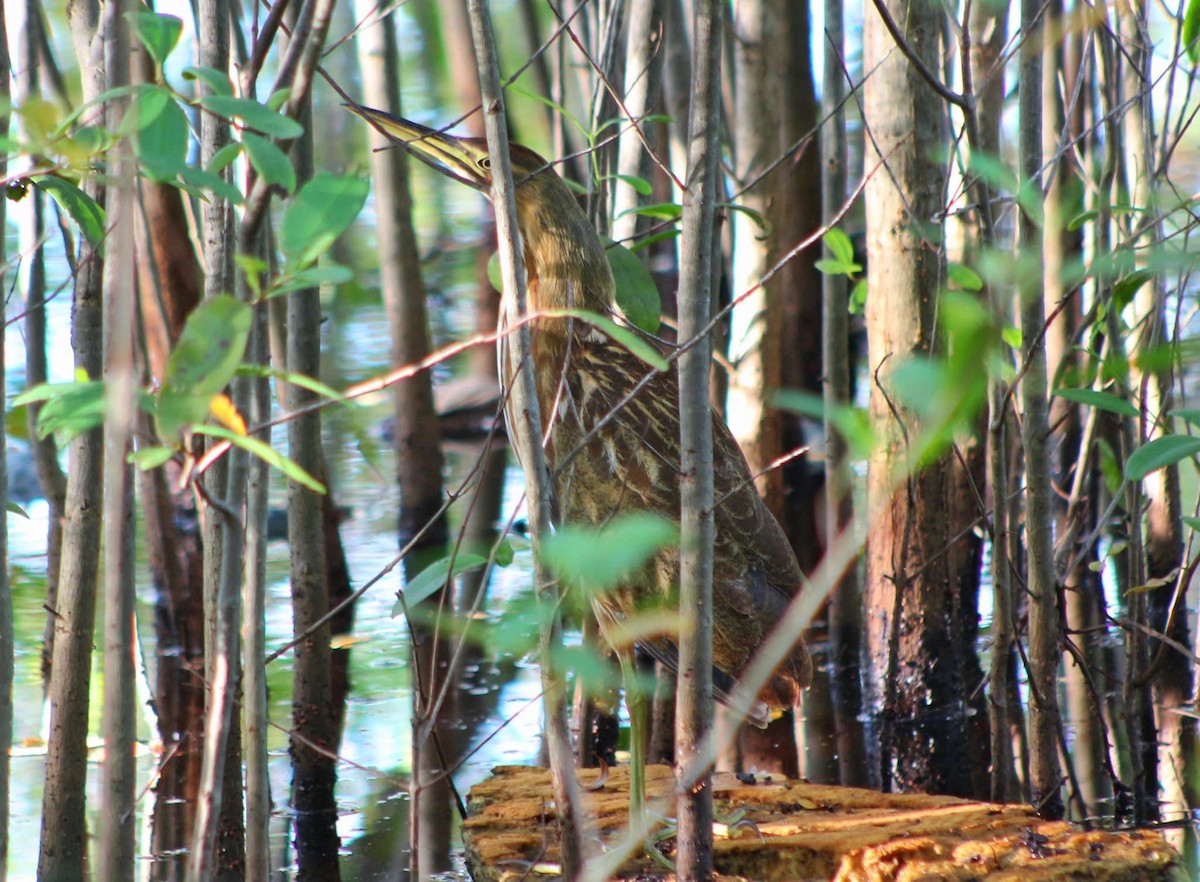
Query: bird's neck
{"x":564,"y":257}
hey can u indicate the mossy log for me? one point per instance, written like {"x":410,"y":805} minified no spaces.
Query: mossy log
{"x":805,"y":831}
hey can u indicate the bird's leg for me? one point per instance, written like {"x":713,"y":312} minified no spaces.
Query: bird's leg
{"x":635,"y":701}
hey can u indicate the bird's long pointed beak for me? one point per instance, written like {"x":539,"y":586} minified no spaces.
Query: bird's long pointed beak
{"x":458,"y":158}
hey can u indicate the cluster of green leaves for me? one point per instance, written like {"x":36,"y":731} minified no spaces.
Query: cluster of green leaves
{"x":841,"y":262}
{"x":209,"y":353}
{"x":1157,"y":453}
{"x":588,"y":562}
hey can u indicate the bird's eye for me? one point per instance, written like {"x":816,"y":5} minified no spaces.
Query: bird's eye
{"x":485,"y":163}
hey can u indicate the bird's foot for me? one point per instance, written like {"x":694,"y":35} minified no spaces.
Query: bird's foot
{"x":729,"y":826}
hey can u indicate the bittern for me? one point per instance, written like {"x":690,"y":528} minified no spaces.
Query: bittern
{"x":631,"y":462}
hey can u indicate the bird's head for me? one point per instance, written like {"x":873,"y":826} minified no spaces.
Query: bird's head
{"x":564,"y":257}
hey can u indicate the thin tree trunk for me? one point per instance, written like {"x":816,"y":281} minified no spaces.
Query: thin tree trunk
{"x":116,"y":828}
{"x":26,"y":22}
{"x":255,"y":706}
{"x":1044,"y":640}
{"x":755,"y":342}
{"x":525,"y":432}
{"x":793,"y":215}
{"x":418,"y":451}
{"x":314,"y":738}
{"x":694,"y":702}
{"x":64,"y":827}
{"x":219,"y":245}
{"x":755,"y":332}
{"x":983,"y":77}
{"x":914,"y":693}
{"x":7,"y":635}
{"x":643,"y":92}
{"x":1169,"y":735}
{"x":757,"y":325}
{"x":1062,"y":248}
{"x":845,"y":614}
{"x":222,"y":736}
{"x":314,"y":721}
{"x":170,"y":285}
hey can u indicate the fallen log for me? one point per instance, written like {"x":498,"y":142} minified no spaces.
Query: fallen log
{"x":791,"y":830}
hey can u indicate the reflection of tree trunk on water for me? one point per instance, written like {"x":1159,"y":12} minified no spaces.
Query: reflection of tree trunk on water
{"x":25,"y":19}
{"x":418,"y":454}
{"x":170,"y":287}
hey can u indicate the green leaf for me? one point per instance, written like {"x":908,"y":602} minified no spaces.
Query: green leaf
{"x":640,"y":185}
{"x":591,"y":669}
{"x":79,"y":206}
{"x":269,"y":161}
{"x":1187,"y":414}
{"x":637,"y":295}
{"x":1192,"y":522}
{"x":1029,"y":197}
{"x":68,"y":409}
{"x":1082,"y":218}
{"x":857,"y":302}
{"x":203,"y":362}
{"x":313,"y":277}
{"x":1125,"y":289}
{"x":504,"y":552}
{"x":305,"y":382}
{"x":434,"y":577}
{"x":1160,"y":453}
{"x":265,"y":452}
{"x":1011,"y":335}
{"x":278,"y":98}
{"x":318,"y":214}
{"x":852,"y":423}
{"x":1101,"y":400}
{"x":655,"y":238}
{"x":659,"y":211}
{"x":963,"y":277}
{"x":1110,"y":468}
{"x":160,"y":133}
{"x":146,"y":458}
{"x":495,"y":276}
{"x":253,"y":115}
{"x":630,"y":340}
{"x":92,"y":139}
{"x":198,"y":181}
{"x":598,"y":559}
{"x":808,"y":404}
{"x":756,"y":217}
{"x":1191,"y":30}
{"x":13,"y":508}
{"x":839,"y":245}
{"x":836,"y":267}
{"x":993,"y":171}
{"x":16,"y":421}
{"x":254,"y":269}
{"x":217,"y":81}
{"x":515,"y":631}
{"x":159,"y":33}
{"x":224,"y":157}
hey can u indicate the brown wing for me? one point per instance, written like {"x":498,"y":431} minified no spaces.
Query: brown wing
{"x":631,"y":463}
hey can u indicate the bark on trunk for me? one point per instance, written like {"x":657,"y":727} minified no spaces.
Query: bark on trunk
{"x":314,"y":719}
{"x":694,"y":700}
{"x":63,"y":849}
{"x":7,"y":635}
{"x":116,"y":849}
{"x":1044,"y":639}
{"x":914,"y":679}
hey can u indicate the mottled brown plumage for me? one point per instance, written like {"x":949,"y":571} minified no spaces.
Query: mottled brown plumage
{"x":631,"y":463}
